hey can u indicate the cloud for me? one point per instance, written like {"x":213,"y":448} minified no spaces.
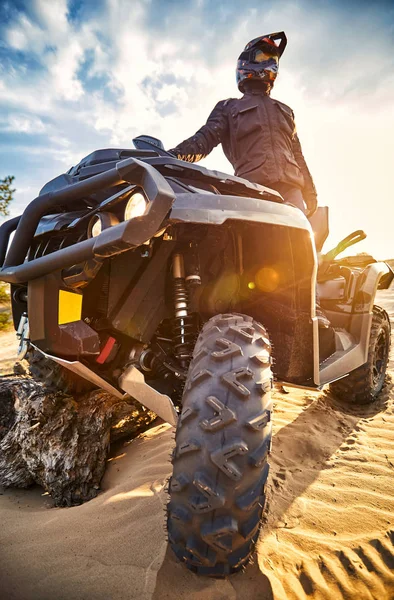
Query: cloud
{"x":22,"y":124}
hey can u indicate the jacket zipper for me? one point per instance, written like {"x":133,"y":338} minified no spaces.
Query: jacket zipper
{"x":270,"y":130}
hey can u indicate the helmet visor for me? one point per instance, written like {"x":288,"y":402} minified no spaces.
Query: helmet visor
{"x":261,"y":56}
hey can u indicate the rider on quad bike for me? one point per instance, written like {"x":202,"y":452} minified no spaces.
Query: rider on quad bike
{"x":257,"y":133}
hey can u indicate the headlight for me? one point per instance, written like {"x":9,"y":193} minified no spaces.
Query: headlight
{"x":136,"y":206}
{"x":95,"y":226}
{"x":101,"y":221}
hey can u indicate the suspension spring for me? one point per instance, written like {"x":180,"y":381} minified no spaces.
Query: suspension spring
{"x":183,"y":324}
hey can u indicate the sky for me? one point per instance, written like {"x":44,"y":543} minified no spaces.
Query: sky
{"x":80,"y":75}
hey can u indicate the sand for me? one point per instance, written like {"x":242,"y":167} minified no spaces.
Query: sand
{"x":330,"y":532}
{"x":8,"y":347}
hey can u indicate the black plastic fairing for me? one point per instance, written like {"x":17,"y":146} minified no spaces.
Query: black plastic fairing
{"x":57,"y":222}
{"x":225,"y":183}
{"x":70,"y":340}
{"x":109,"y":155}
{"x":137,"y":304}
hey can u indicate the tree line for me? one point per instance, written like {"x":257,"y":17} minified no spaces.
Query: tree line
{"x":6,"y":197}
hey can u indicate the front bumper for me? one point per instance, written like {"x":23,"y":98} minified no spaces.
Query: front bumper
{"x":111,"y":241}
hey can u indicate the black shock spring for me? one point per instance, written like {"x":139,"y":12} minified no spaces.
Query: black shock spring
{"x":183,"y":327}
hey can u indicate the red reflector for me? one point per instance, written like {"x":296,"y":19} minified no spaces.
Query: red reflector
{"x":106,"y":351}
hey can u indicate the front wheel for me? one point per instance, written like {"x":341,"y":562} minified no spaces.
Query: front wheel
{"x":223,"y":438}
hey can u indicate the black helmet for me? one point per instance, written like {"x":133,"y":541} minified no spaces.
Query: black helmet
{"x":260,"y":59}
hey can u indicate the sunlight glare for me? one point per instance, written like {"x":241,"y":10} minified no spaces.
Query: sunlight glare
{"x":267,"y":279}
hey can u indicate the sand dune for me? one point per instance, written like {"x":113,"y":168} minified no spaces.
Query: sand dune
{"x":329,"y":532}
{"x":330,"y":529}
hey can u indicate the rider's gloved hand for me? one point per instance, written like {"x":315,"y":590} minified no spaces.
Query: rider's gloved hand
{"x":311,"y":204}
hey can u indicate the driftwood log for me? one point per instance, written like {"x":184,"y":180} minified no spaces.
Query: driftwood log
{"x":61,"y":442}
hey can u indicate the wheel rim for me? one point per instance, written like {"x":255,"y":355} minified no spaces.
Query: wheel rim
{"x":380,"y":360}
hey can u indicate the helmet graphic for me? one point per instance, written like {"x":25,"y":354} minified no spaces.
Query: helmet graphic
{"x":260,"y":59}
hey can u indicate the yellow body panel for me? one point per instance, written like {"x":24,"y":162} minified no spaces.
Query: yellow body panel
{"x":70,"y":307}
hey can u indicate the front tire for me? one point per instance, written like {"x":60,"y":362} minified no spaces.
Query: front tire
{"x":363,"y":385}
{"x":223,"y":439}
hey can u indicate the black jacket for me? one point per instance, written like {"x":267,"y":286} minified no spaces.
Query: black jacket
{"x":258,"y":136}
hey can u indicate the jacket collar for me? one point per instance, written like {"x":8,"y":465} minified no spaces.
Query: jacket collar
{"x":255,"y":93}
{"x":255,"y":88}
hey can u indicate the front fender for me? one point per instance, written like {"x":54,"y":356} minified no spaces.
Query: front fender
{"x":212,"y":209}
{"x":368,"y":284}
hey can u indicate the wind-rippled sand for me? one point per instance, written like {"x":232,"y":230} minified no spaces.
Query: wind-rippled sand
{"x":329,"y":531}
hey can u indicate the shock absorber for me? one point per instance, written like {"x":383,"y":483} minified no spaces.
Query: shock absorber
{"x":183,"y":323}
{"x":150,"y":363}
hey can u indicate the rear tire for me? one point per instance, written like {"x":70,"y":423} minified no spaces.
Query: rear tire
{"x":55,"y":377}
{"x":223,"y":439}
{"x":363,"y":385}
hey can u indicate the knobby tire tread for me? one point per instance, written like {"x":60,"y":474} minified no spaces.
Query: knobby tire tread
{"x":223,"y":439}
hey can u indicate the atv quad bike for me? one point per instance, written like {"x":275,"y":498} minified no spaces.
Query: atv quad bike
{"x":190,"y":289}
